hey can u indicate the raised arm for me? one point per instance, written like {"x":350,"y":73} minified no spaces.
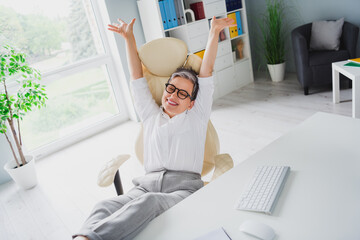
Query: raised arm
{"x":126,"y":31}
{"x":208,"y":62}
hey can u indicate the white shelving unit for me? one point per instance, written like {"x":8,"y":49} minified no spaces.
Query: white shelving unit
{"x":230,"y":74}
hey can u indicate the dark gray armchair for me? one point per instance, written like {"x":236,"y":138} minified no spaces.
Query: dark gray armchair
{"x":314,"y":67}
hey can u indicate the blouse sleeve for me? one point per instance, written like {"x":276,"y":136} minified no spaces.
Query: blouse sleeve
{"x":204,"y":99}
{"x":144,"y":103}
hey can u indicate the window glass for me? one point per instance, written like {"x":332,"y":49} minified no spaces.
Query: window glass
{"x":52,"y":33}
{"x":75,"y":102}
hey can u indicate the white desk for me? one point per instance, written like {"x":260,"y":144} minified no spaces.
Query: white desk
{"x":354,"y":74}
{"x":320,"y":199}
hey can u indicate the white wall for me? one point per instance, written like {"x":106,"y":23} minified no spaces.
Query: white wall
{"x":126,"y":10}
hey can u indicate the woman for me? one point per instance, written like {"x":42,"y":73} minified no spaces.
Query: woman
{"x":174,"y":142}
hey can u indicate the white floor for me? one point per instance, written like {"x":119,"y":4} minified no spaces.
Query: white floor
{"x":246,"y":120}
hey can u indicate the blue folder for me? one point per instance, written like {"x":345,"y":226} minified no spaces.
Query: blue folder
{"x":169,"y":17}
{"x":173,"y":13}
{"x":163,"y":14}
{"x":238,"y":22}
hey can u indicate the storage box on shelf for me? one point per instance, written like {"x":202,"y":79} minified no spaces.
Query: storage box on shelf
{"x":230,"y":74}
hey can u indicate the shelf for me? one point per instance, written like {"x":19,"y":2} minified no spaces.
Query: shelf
{"x":238,"y":61}
{"x":177,"y":27}
{"x":196,"y":21}
{"x":240,"y":36}
{"x":236,"y":10}
{"x":232,"y":72}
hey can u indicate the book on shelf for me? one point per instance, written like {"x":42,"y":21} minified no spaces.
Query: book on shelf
{"x":198,"y":9}
{"x":352,"y":64}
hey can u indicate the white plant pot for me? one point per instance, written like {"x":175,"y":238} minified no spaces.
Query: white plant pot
{"x":277,"y":71}
{"x":24,"y":176}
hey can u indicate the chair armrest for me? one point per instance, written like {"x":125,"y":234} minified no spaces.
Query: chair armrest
{"x":300,"y":47}
{"x":107,"y":173}
{"x":349,"y":38}
{"x":223,"y":163}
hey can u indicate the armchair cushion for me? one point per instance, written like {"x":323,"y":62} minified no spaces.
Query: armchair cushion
{"x":327,"y":57}
{"x":325,"y":35}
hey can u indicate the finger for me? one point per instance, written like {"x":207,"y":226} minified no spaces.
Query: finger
{"x":113,"y":30}
{"x":121,"y":21}
{"x":112,"y":25}
{"x":131,"y":24}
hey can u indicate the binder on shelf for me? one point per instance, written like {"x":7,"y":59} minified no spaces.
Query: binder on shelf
{"x":238,"y":4}
{"x":198,"y":9}
{"x":173,"y":13}
{"x":200,"y":54}
{"x":163,"y":14}
{"x":233,"y":30}
{"x":227,"y":5}
{"x":168,"y":14}
{"x":179,"y":12}
{"x":238,"y":22}
{"x":232,"y":5}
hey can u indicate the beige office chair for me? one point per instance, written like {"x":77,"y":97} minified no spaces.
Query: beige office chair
{"x":160,"y":58}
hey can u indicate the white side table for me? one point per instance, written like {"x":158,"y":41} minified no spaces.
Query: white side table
{"x":354,"y":74}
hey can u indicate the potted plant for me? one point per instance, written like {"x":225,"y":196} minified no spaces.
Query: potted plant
{"x":273,"y":38}
{"x":15,"y":70}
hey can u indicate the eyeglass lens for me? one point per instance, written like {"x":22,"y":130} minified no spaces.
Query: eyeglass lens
{"x":182,"y":94}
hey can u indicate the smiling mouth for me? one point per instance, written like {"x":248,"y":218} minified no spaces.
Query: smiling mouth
{"x":172,"y":103}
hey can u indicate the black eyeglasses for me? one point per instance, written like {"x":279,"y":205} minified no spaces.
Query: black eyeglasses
{"x":182,"y":94}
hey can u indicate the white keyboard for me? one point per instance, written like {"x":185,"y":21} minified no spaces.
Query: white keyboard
{"x":264,"y":189}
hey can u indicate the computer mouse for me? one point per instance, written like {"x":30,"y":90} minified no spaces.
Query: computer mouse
{"x":257,"y":229}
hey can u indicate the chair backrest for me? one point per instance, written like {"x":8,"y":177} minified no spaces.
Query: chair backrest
{"x":160,"y":58}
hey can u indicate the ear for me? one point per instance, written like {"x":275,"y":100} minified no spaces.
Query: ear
{"x":191,"y":104}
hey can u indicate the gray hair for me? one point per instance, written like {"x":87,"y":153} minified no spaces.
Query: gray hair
{"x":188,"y":74}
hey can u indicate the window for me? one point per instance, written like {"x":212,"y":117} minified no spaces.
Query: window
{"x":64,"y":41}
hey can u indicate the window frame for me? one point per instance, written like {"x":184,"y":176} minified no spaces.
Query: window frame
{"x":118,"y":84}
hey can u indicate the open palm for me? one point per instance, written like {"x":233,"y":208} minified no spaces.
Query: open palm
{"x":221,"y":23}
{"x":123,"y":28}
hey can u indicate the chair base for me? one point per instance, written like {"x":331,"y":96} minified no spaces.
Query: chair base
{"x":117,"y":183}
{"x":306,"y":91}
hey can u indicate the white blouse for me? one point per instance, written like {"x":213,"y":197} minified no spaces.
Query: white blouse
{"x":176,"y":143}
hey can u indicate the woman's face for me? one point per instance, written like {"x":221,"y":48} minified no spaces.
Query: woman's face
{"x":172,"y":104}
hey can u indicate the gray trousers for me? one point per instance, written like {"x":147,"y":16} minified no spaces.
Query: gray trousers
{"x":123,"y":217}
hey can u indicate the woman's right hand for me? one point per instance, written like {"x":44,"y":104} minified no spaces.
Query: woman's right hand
{"x":122,"y":28}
